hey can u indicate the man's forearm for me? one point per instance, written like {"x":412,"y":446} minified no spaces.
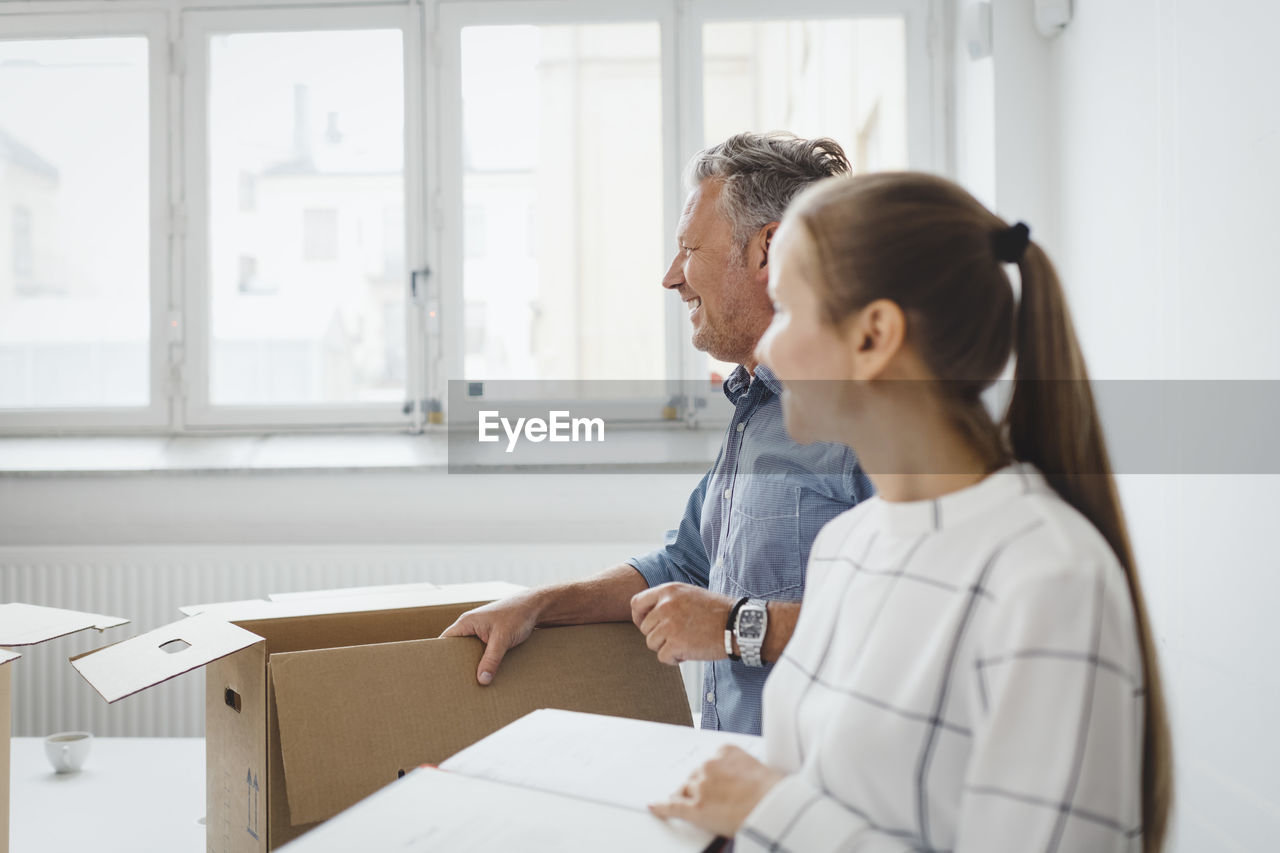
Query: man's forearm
{"x":782,"y":624}
{"x":605,"y":597}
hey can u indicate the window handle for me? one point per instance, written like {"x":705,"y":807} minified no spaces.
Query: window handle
{"x":415,"y":292}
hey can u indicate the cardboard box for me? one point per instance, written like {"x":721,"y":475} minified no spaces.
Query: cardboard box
{"x":314,"y":703}
{"x":28,"y":625}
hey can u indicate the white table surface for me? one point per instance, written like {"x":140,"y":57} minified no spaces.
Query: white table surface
{"x":141,"y":795}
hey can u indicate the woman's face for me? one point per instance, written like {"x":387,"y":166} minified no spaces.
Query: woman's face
{"x":810,"y":356}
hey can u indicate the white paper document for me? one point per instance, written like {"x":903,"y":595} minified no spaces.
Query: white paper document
{"x":622,"y":762}
{"x":551,"y":781}
{"x":433,"y":810}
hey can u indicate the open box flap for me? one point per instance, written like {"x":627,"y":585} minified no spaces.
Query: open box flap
{"x":352,"y":718}
{"x":7,"y":655}
{"x":135,"y":664}
{"x":28,"y":624}
{"x":195,"y":609}
{"x":350,"y":591}
{"x":362,"y":600}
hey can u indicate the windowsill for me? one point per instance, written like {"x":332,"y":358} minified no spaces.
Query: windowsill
{"x":663,"y":450}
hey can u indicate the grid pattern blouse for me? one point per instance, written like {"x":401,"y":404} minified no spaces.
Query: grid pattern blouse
{"x":965,"y":676}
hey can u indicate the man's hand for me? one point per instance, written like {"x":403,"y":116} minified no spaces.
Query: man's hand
{"x":500,"y":625}
{"x":682,"y":622}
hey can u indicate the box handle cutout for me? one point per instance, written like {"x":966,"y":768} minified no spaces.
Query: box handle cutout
{"x":232,"y":699}
{"x":175,"y":646}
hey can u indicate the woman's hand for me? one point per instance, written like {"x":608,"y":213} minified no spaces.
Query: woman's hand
{"x":721,"y":793}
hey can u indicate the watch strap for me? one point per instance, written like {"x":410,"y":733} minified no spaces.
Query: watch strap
{"x":730,"y":625}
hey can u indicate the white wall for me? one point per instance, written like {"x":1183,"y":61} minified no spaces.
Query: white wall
{"x":1152,"y":130}
{"x":339,"y":508}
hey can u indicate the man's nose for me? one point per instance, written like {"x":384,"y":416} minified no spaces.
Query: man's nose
{"x":675,"y":275}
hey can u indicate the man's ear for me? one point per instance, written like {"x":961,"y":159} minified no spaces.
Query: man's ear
{"x":876,"y":334}
{"x":760,"y":246}
{"x":764,"y":237}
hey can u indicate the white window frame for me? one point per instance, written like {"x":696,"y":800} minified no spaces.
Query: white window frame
{"x":178,"y":33}
{"x":197,"y":28}
{"x":17,"y":25}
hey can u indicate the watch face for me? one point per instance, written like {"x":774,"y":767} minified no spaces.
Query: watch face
{"x":750,"y":624}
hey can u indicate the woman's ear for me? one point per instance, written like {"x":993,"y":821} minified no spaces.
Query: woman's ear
{"x":875,"y":336}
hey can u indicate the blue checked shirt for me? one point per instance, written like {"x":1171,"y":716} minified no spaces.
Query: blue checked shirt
{"x":749,"y":525}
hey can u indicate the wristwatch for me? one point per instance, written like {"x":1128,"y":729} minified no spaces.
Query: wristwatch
{"x":750,"y":623}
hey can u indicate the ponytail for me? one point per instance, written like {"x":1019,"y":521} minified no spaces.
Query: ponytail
{"x":1052,"y":422}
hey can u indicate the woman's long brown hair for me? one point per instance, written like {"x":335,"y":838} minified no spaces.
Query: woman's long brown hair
{"x":928,"y":246}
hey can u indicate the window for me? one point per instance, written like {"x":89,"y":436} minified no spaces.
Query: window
{"x":75,"y":289}
{"x":319,"y":234}
{"x":580,"y":100}
{"x":249,"y":281}
{"x":22,"y":247}
{"x":248,"y":192}
{"x":340,"y":207}
{"x":476,"y":237}
{"x":321,"y":140}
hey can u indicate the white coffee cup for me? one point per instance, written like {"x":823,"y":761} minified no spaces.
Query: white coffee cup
{"x":68,"y":750}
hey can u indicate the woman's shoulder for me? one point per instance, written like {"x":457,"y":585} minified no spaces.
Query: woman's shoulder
{"x":1055,"y":570}
{"x":1054,"y":534}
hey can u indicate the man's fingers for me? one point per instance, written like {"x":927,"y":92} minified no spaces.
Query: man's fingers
{"x":493,"y":654}
{"x":666,"y":655}
{"x":461,"y":627}
{"x":655,"y":639}
{"x":651,"y":620}
{"x":641,"y":604}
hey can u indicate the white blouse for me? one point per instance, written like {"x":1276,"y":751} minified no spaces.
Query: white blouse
{"x":965,"y":676}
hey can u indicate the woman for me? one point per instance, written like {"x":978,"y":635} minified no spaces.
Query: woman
{"x":973,"y":669}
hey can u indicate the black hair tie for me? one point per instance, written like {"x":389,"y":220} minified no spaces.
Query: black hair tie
{"x":1010,"y":243}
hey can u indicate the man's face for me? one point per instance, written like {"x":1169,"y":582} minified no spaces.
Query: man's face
{"x":723,"y":286}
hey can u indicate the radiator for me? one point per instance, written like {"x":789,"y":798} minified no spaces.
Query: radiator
{"x":149,"y":583}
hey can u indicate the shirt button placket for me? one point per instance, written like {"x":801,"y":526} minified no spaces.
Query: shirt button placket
{"x":709,"y":711}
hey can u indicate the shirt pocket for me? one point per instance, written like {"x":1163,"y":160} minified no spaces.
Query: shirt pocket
{"x":763,"y":556}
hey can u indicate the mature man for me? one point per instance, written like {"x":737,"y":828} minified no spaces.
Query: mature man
{"x":726,"y":586}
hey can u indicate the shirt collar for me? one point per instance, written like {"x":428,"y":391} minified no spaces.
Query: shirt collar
{"x":740,"y":381}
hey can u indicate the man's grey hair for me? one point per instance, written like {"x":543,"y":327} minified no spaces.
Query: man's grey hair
{"x":762,"y":173}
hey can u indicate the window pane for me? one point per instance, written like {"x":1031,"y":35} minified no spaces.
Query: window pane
{"x":562,"y":196}
{"x":307,"y":228}
{"x":845,"y":79}
{"x":74,"y":234}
